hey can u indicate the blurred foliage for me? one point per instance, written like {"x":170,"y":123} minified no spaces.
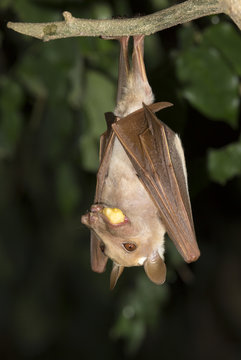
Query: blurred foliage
{"x":225,"y":163}
{"x":210,"y":80}
{"x":140,"y":309}
{"x":53,"y":97}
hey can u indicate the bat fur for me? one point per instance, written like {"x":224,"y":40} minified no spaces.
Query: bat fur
{"x":122,"y":188}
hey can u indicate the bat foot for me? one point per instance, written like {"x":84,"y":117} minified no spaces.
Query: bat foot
{"x":119,"y":38}
{"x":138,"y":39}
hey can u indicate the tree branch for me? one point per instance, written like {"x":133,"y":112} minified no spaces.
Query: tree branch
{"x":146,"y":25}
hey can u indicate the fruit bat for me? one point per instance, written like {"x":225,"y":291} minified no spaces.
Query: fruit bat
{"x":142,"y":189}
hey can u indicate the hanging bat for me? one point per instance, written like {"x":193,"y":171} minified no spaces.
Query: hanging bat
{"x":142,"y":189}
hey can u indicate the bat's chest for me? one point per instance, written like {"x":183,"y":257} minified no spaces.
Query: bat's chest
{"x":123,"y":188}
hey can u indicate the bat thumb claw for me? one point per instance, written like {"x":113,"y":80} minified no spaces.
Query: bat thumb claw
{"x":115,"y":274}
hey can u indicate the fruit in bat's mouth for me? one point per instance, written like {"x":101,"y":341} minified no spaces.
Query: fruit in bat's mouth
{"x":114,"y":215}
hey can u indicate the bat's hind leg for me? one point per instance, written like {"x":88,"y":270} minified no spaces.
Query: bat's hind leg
{"x":124,"y":67}
{"x":139,"y":71}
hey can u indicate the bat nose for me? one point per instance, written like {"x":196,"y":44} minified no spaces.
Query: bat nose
{"x":89,"y":219}
{"x":96,"y":208}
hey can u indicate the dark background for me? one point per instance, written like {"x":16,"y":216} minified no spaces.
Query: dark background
{"x":53,"y":97}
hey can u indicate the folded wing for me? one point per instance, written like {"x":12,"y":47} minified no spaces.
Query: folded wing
{"x":157,"y":156}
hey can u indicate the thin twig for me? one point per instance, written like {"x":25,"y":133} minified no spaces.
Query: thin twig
{"x":146,"y":25}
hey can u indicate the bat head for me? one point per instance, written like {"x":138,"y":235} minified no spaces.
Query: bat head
{"x":127,"y":241}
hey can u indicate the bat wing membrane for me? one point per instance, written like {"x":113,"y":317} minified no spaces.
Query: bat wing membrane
{"x":156,"y":154}
{"x":98,"y":258}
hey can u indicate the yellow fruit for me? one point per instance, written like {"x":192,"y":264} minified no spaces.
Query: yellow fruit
{"x":114,"y":215}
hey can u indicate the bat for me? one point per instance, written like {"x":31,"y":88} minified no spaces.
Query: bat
{"x":142,"y":188}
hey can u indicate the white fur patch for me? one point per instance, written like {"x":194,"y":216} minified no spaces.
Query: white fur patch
{"x":142,"y":260}
{"x":161,"y":249}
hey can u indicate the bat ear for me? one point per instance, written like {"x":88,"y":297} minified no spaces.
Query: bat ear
{"x":115,"y":274}
{"x":155,"y":268}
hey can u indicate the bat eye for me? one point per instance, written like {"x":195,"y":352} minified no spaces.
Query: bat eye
{"x":102,"y":247}
{"x":129,"y":246}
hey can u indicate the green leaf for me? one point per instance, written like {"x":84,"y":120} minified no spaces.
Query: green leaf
{"x":57,"y":131}
{"x":7,"y":267}
{"x":101,"y":11}
{"x":153,"y":46}
{"x":187,"y":35}
{"x":140,"y":311}
{"x":173,"y":255}
{"x":100,"y":93}
{"x":46,"y":69}
{"x":75,"y":92}
{"x":89,"y":152}
{"x":33,"y":11}
{"x":4,"y":4}
{"x":225,"y":163}
{"x":11,"y":118}
{"x":209,"y":83}
{"x":30,"y":323}
{"x":227,"y":40}
{"x":33,"y":82}
{"x":68,"y":191}
{"x":160,"y":4}
{"x":11,"y":95}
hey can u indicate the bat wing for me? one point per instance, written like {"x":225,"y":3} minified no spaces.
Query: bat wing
{"x":98,"y":258}
{"x":157,"y":156}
